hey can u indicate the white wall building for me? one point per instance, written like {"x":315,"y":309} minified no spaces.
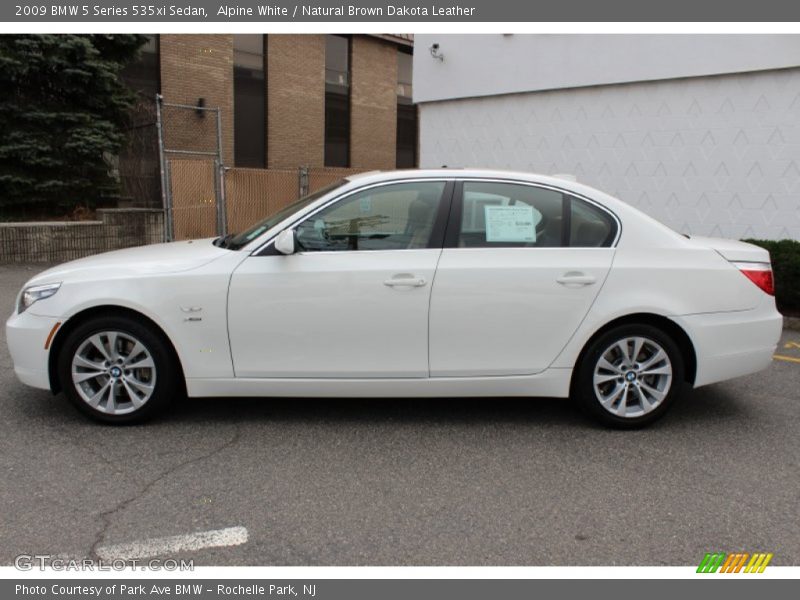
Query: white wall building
{"x":700,"y":131}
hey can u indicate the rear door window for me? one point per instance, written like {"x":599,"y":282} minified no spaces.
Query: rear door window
{"x":509,"y":215}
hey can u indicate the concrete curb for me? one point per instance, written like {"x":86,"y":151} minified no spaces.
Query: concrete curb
{"x":792,"y":323}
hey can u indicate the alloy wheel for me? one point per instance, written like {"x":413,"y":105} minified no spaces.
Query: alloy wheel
{"x":113,"y":372}
{"x":632,"y":377}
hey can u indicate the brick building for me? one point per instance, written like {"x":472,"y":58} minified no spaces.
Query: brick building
{"x":288,"y":100}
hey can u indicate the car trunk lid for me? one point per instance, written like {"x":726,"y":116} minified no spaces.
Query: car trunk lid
{"x":734,"y":250}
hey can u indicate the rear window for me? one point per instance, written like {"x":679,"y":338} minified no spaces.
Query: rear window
{"x":590,"y":226}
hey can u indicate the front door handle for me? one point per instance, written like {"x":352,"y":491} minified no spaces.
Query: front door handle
{"x":405,"y":280}
{"x":575,"y":278}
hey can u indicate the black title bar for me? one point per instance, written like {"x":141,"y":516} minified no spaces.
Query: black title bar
{"x":199,"y":11}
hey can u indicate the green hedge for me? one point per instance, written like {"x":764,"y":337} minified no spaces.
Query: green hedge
{"x":785,"y":255}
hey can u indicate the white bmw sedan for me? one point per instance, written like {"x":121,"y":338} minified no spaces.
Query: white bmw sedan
{"x":407,"y":284}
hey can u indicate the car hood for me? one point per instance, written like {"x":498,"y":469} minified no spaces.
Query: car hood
{"x":172,"y":257}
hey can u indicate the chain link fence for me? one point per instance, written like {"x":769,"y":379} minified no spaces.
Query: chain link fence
{"x":138,"y":165}
{"x":252,"y":194}
{"x":201,"y":197}
{"x":320,"y":177}
{"x":190,"y":157}
{"x":190,"y":130}
{"x":193,"y":198}
{"x":249,"y":194}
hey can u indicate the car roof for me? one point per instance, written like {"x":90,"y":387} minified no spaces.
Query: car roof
{"x":449,"y":172}
{"x":472,"y":173}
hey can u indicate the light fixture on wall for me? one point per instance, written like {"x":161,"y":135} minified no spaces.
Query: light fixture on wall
{"x":201,"y":104}
{"x":435,"y":53}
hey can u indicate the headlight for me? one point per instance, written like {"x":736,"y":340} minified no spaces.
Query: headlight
{"x":35,"y":293}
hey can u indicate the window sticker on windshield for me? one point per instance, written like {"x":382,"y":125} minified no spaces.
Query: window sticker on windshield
{"x":365,"y":204}
{"x":511,"y":223}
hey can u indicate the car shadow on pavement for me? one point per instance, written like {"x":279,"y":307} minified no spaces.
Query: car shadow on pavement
{"x":695,"y":408}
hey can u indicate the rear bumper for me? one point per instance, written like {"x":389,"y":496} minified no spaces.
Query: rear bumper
{"x":26,"y":335}
{"x":733,"y":344}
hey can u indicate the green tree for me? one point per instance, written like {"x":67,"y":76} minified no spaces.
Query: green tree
{"x":63,"y":108}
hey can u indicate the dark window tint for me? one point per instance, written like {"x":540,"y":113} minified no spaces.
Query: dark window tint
{"x":406,"y":146}
{"x":406,"y":135}
{"x":249,"y":101}
{"x":590,"y":226}
{"x":391,"y":217}
{"x":143,"y":75}
{"x":337,"y":101}
{"x":508,"y":215}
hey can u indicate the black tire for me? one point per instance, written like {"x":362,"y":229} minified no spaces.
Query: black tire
{"x":166,"y":372}
{"x":583,"y":389}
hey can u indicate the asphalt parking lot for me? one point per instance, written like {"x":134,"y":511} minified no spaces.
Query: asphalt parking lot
{"x":408,"y":482}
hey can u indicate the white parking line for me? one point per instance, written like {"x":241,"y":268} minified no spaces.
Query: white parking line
{"x":215,"y":538}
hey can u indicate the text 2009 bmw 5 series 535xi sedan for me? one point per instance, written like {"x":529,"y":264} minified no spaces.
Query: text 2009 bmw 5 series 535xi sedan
{"x":408,"y":284}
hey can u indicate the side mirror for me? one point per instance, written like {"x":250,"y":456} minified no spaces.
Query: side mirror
{"x":284,"y":243}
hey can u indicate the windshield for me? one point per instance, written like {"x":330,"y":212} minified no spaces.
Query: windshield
{"x":234,"y":242}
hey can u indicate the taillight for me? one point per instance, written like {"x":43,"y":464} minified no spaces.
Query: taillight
{"x":758,"y":273}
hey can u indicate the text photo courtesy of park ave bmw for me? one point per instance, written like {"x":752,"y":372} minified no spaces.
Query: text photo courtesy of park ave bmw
{"x":344,"y":302}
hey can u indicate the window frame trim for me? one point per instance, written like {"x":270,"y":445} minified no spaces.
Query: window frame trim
{"x":436,"y":241}
{"x":453,"y":230}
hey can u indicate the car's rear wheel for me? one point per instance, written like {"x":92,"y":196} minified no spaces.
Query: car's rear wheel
{"x":629,"y":376}
{"x":117,"y":370}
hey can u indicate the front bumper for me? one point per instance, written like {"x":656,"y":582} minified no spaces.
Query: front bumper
{"x":26,"y":336}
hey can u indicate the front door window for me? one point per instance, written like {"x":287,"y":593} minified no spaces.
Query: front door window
{"x":390,"y":217}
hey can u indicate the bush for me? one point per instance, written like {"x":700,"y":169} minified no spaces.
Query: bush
{"x":63,"y":108}
{"x":785,"y":255}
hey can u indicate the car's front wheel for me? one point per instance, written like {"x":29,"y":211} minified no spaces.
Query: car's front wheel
{"x":117,"y":370}
{"x":629,"y":376}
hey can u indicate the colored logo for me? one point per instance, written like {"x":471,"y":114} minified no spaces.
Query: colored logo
{"x":736,"y":562}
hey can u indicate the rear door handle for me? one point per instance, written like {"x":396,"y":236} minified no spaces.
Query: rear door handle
{"x":573,"y":278}
{"x":405,"y":280}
